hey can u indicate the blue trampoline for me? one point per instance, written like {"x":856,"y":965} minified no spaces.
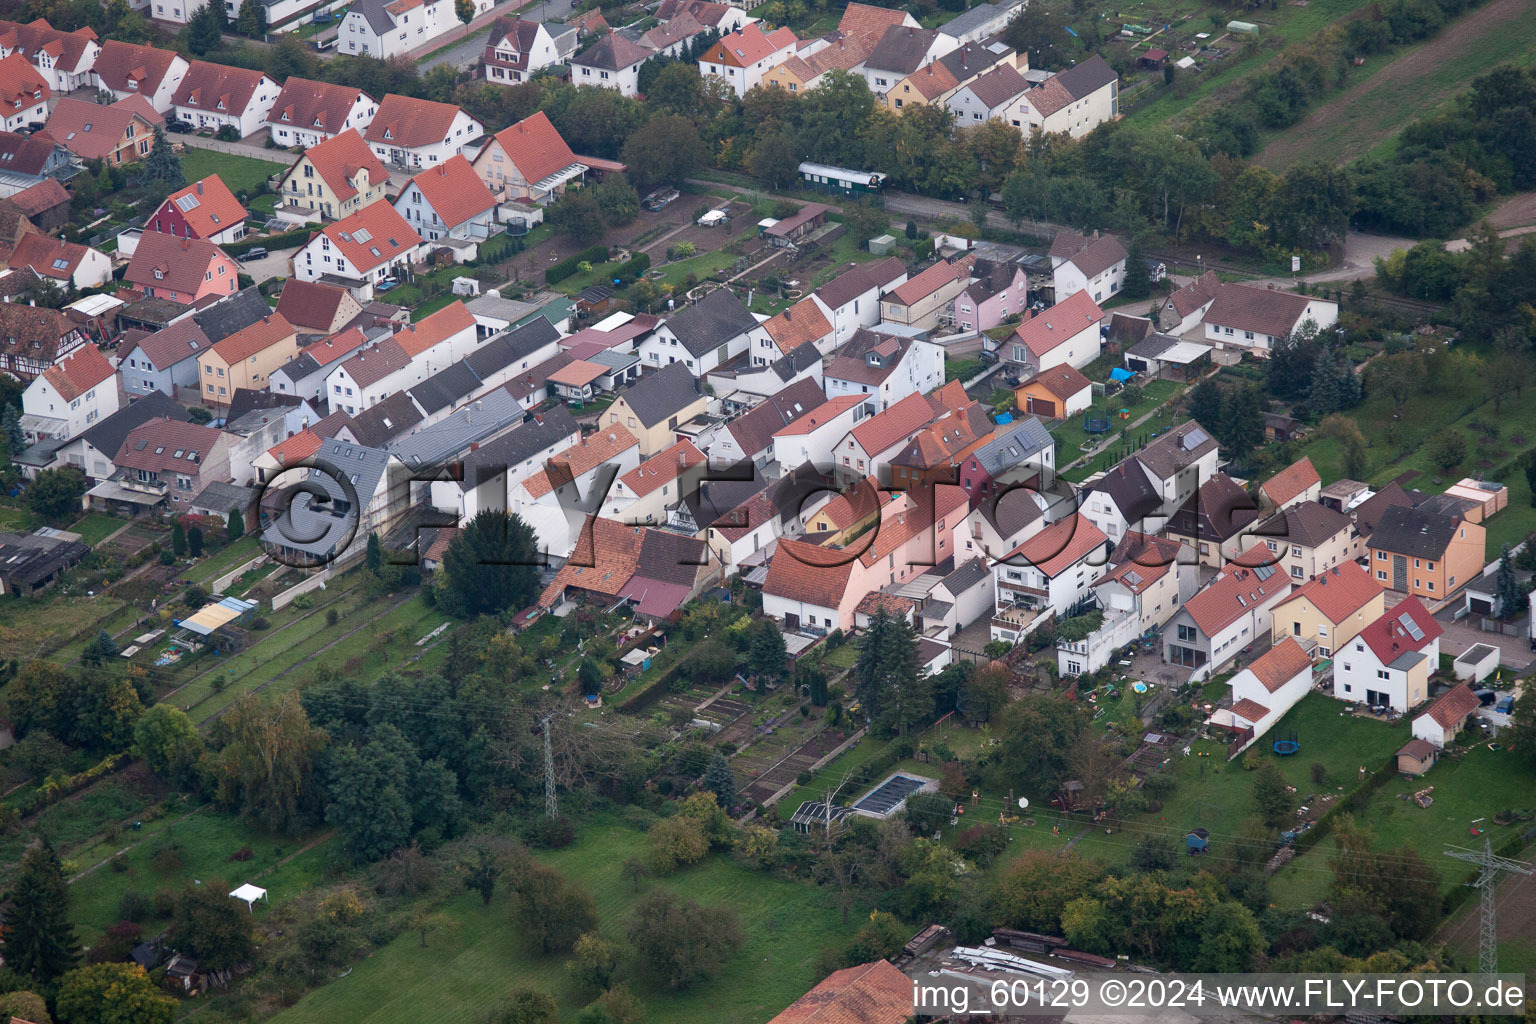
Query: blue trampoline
{"x":1287,"y":747}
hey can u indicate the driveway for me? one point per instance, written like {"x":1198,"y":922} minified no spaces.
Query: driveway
{"x":277,"y":156}
{"x":467,"y":52}
{"x":276,"y":264}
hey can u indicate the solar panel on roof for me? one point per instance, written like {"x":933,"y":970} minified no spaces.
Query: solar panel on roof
{"x":361,"y":235}
{"x":1264,"y":572}
{"x":187,"y":202}
{"x":1411,"y":626}
{"x":1194,"y":439}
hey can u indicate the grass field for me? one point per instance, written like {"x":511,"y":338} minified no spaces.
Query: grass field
{"x":95,"y":527}
{"x":479,"y":959}
{"x":1389,"y":92}
{"x":240,"y":173}
{"x":1070,"y":435}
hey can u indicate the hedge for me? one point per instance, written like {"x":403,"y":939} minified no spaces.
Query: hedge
{"x":1353,"y":802}
{"x":628,"y":273}
{"x":568,"y":266}
{"x":271,"y":243}
{"x":923,"y":249}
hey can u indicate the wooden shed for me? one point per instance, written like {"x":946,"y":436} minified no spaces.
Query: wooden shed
{"x":1416,"y":757}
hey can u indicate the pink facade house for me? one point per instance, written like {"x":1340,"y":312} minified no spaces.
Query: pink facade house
{"x":994,"y":295}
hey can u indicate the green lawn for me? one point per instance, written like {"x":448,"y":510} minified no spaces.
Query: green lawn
{"x":1070,"y":435}
{"x":479,"y":959}
{"x":240,"y":173}
{"x":95,"y":527}
{"x":221,"y":562}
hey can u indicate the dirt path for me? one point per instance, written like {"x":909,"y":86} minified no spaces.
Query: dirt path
{"x":1355,"y":105}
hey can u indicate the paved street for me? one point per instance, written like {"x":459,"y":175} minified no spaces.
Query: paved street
{"x":256,"y":152}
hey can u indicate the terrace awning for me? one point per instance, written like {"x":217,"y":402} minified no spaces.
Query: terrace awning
{"x":212,"y":616}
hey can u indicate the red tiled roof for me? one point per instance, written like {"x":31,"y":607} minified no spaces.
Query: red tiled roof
{"x":1235,"y":590}
{"x":37,"y":36}
{"x":1250,"y":710}
{"x":661,"y":468}
{"x":591,"y":451}
{"x":800,"y":323}
{"x":435,"y":329}
{"x":932,"y":80}
{"x":1197,"y":293}
{"x":407,"y":121}
{"x":872,"y":993}
{"x":1339,"y":592}
{"x":1291,"y":481}
{"x":328,"y":350}
{"x":217,"y":87}
{"x":1061,"y":545}
{"x":80,"y":371}
{"x":1091,"y":255}
{"x":577,"y":372}
{"x":387,"y":236}
{"x":1389,"y":637}
{"x":208,"y":206}
{"x":20,"y":83}
{"x":1062,"y":381}
{"x":535,"y":148}
{"x":902,"y":420}
{"x":43,"y":254}
{"x":43,"y":196}
{"x":339,"y":159}
{"x":372,"y":365}
{"x":164,"y":444}
{"x":169,"y":346}
{"x":932,"y":279}
{"x":295,"y":449}
{"x":455,"y":191}
{"x":1068,"y":318}
{"x":93,"y":131}
{"x":119,"y":64}
{"x":1280,"y":664}
{"x":316,"y":106}
{"x":1453,"y":706}
{"x":1141,"y":560}
{"x":310,"y":303}
{"x":819,"y":416}
{"x":258,"y":337}
{"x":862,"y":19}
{"x":603,"y":560}
{"x":808,"y":573}
{"x":182,"y":262}
{"x":748,"y":45}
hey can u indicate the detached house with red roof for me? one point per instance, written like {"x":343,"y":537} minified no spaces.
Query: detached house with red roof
{"x":1264,"y":691}
{"x":852,"y":299}
{"x":307,"y":113}
{"x":1327,"y":612}
{"x":1049,"y":573}
{"x":1233,"y":610}
{"x":128,"y":69}
{"x":161,"y":466}
{"x":180,"y":269}
{"x":359,"y":251}
{"x":883,"y":369}
{"x":409,"y":134}
{"x":70,"y":396}
{"x":24,"y":93}
{"x":246,"y":359}
{"x":205,"y":209}
{"x":742,"y":57}
{"x":1066,"y":334}
{"x":868,"y":448}
{"x":1390,"y":662}
{"x":922,"y":301}
{"x":448,"y":201}
{"x":516,"y":48}
{"x":1446,"y":717}
{"x":336,"y":178}
{"x":872,"y":993}
{"x":317,"y":309}
{"x":64,"y":59}
{"x":214,"y":96}
{"x":70,"y":264}
{"x":528,"y":161}
{"x":1293,"y":485}
{"x":1242,"y":316}
{"x":118,"y":134}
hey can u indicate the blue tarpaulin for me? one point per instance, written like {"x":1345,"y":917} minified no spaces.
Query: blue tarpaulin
{"x":1121,"y":374}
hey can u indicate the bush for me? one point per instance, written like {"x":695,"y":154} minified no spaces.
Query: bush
{"x":167,"y":558}
{"x":134,"y":906}
{"x":552,"y":833}
{"x":332,"y":616}
{"x":923,"y":249}
{"x":568,"y":266}
{"x":628,"y":273}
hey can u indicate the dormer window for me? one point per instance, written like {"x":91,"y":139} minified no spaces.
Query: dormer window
{"x":159,"y":275}
{"x":286,"y":117}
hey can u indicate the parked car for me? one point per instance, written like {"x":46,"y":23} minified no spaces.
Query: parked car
{"x":987,"y":356}
{"x":179,"y":127}
{"x":1505,"y":705}
{"x":1486,"y":698}
{"x":35,"y":126}
{"x":252,"y":255}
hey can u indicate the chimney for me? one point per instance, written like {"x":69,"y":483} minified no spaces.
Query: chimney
{"x":199,"y":188}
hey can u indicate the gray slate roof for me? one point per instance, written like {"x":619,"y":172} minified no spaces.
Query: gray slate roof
{"x":1027,"y":438}
{"x":1090,"y":75}
{"x":441,"y":390}
{"x":797,"y":361}
{"x":446,"y":438}
{"x":108,"y":435}
{"x":1133,"y":490}
{"x":901,"y":49}
{"x":711,"y":322}
{"x":519,"y":444}
{"x":379,"y":424}
{"x":662,"y":394}
{"x":1413,"y":532}
{"x":235,"y":313}
{"x":504,"y":350}
{"x":966,"y":576}
{"x":379,"y":19}
{"x":1177,"y":449}
{"x":969,"y":21}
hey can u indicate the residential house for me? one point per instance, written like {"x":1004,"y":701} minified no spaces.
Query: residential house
{"x":1230,"y":613}
{"x":672,"y":38}
{"x":988,"y":97}
{"x":654,"y":406}
{"x":556,"y":500}
{"x":903,"y":49}
{"x":1144,"y":587}
{"x":1066,"y":334}
{"x":31,"y":160}
{"x":1445,"y":553}
{"x":516,"y":48}
{"x":582,"y":380}
{"x":1442,"y":720}
{"x":810,"y":440}
{"x":214,"y":96}
{"x":845,"y":514}
{"x":1299,"y":482}
{"x":528,"y":161}
{"x":642,"y":494}
{"x":1180,"y":460}
{"x":961,"y":598}
{"x":1218,"y":522}
{"x":747,"y":531}
{"x":613,"y":62}
{"x":1307,"y":539}
{"x":1049,"y":574}
{"x":410,"y":356}
{"x":183,"y":270}
{"x":358,"y":251}
{"x":164,"y":360}
{"x":815,"y":58}
{"x":924,"y":300}
{"x":204,"y":209}
{"x":308,"y":113}
{"x":305,"y":374}
{"x":1368,"y":509}
{"x":1257,"y":319}
{"x":449,"y":201}
{"x":981,"y":22}
{"x":409,"y":133}
{"x":513,"y":353}
{"x":64,"y":59}
{"x":852,"y":298}
{"x":314,"y":307}
{"x":1328,"y":611}
{"x":744,"y":55}
{"x":1126,"y":499}
{"x":870,"y":993}
{"x":378,"y":426}
{"x":493,"y":467}
{"x":161,"y":465}
{"x":327,"y":515}
{"x":721,"y":17}
{"x":1265,"y":690}
{"x":705,"y":335}
{"x":1057,"y":394}
{"x":1389,"y":663}
{"x":804,"y":323}
{"x":997,"y":292}
{"x":69,"y":396}
{"x":1185,"y":308}
{"x":1073,"y":102}
{"x":69,"y":264}
{"x":867,"y":449}
{"x":936,"y":81}
{"x":24,"y":94}
{"x":819,"y":586}
{"x":246,"y":359}
{"x":655,"y":571}
{"x":1163,"y":355}
{"x":750,"y":436}
{"x":884,"y":369}
{"x":33,"y":338}
{"x":740,"y":384}
{"x":1020,"y":453}
{"x":118,"y":134}
{"x":934,"y":454}
{"x":91,"y":451}
{"x":338,"y":177}
{"x":1081,"y":264}
{"x":392,"y":28}
{"x":128,"y":69}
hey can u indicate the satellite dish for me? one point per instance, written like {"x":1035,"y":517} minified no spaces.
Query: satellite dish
{"x":1023,"y":802}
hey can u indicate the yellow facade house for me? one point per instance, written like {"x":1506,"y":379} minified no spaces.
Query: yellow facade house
{"x":246,"y":359}
{"x":336,"y":178}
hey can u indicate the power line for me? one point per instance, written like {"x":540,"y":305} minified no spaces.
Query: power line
{"x":1486,"y":883}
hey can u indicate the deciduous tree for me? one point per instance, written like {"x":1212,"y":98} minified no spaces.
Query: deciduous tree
{"x":551,"y":911}
{"x":264,"y":768}
{"x":679,"y":942}
{"x":212,"y":927}
{"x":113,"y":994}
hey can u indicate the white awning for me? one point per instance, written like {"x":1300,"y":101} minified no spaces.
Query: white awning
{"x":1183,"y":353}
{"x":250,"y":894}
